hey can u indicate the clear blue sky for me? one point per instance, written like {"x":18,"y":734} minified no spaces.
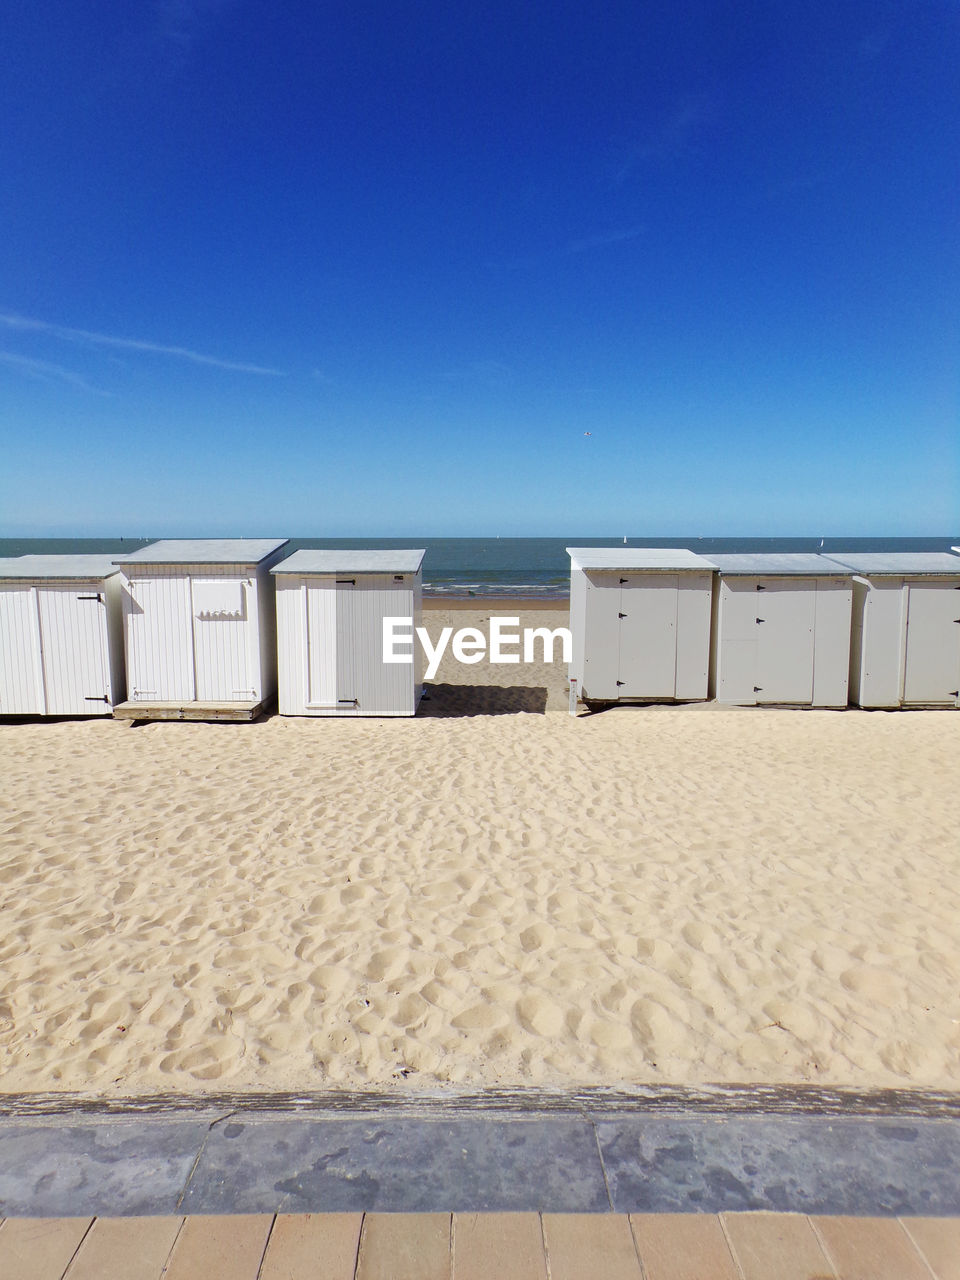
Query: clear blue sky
{"x":376,"y":268}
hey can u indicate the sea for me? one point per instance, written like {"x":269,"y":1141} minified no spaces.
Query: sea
{"x":528,"y":568}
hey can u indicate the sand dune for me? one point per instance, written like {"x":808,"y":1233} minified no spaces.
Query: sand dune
{"x":692,"y":894}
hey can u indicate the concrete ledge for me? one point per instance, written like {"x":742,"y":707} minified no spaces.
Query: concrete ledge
{"x":396,"y":1160}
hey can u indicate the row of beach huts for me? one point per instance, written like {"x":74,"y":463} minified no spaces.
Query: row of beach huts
{"x":218,"y":628}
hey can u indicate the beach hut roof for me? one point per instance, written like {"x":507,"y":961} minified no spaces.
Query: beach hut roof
{"x":86,"y":568}
{"x":308,"y":561}
{"x":779,"y":563}
{"x":897,"y":563}
{"x":205,"y":551}
{"x":670,"y":559}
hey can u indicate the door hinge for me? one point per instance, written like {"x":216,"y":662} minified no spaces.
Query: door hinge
{"x":347,"y":702}
{"x":621,"y":615}
{"x":758,"y":688}
{"x":622,"y":580}
{"x":761,"y":619}
{"x":93,"y":698}
{"x":345,"y":582}
{"x":620,"y":682}
{"x":98,"y":597}
{"x":761,"y":587}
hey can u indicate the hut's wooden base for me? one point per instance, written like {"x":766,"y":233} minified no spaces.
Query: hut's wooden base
{"x":189,"y":710}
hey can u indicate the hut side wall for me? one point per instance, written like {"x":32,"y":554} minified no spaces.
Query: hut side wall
{"x":61,"y":647}
{"x":380,"y":689}
{"x":739,"y":654}
{"x":167,"y":646}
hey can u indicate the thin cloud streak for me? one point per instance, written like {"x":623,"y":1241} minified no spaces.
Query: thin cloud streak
{"x":46,"y":370}
{"x":604,"y":238}
{"x":26,"y":325}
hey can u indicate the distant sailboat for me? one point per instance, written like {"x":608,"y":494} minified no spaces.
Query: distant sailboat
{"x":624,"y":539}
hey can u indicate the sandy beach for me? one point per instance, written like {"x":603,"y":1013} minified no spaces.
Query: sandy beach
{"x":490,"y":894}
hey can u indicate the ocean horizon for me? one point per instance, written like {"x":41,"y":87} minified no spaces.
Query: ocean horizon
{"x":534,"y":568}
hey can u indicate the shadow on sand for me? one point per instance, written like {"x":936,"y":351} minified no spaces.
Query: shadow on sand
{"x":445,"y":700}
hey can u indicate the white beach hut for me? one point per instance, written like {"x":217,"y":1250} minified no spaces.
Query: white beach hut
{"x":61,"y":642}
{"x":331,"y":607}
{"x":200,"y":629}
{"x":640,"y":623}
{"x":781,"y":630}
{"x":905,"y":649}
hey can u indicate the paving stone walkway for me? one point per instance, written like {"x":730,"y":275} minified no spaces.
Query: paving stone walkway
{"x":507,"y":1246}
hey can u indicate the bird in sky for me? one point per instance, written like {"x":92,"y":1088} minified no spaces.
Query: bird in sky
{"x":588,"y":433}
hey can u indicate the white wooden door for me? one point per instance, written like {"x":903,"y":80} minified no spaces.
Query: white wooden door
{"x":159,"y":632}
{"x":320,"y":600}
{"x":785,"y":619}
{"x":737,"y":644}
{"x":932,"y":666}
{"x":221,"y":640}
{"x":601,"y":644}
{"x":73,"y":627}
{"x":21,"y":677}
{"x":648,"y":635}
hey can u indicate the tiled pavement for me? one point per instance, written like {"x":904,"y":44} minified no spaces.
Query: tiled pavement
{"x":508,"y":1246}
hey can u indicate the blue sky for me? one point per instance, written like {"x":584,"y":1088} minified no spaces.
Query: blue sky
{"x":377,"y":269}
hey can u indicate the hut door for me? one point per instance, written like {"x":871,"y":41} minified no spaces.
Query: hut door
{"x":785,"y":615}
{"x":648,"y":635}
{"x":350,"y":643}
{"x":159,"y":640}
{"x":932,"y":666}
{"x":73,"y":626}
{"x":321,"y":610}
{"x":220,"y":640}
{"x":21,"y":683}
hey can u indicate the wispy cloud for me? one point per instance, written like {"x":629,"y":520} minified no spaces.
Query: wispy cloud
{"x":604,"y":238}
{"x":875,"y":43}
{"x":669,"y":140}
{"x":46,"y":370}
{"x":490,"y":373}
{"x":86,"y":337}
